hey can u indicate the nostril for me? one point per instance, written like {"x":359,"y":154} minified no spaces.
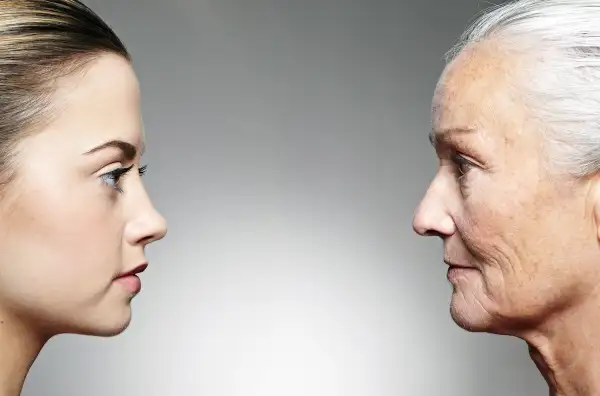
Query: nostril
{"x":422,"y":231}
{"x":427,"y":231}
{"x":432,"y":233}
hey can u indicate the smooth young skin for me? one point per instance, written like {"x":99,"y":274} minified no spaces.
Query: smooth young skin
{"x":68,"y":230}
{"x":528,"y":240}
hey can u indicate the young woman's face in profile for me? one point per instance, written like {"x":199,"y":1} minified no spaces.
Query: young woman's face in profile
{"x":72,"y":220}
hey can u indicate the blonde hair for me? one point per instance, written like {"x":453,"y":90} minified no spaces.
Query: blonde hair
{"x":41,"y":41}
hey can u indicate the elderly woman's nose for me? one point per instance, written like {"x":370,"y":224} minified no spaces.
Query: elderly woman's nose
{"x":432,"y":217}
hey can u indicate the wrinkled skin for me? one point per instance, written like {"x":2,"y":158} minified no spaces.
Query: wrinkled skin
{"x":530,"y":239}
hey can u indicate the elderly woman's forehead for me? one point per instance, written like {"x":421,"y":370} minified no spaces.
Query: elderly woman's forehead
{"x":484,"y":66}
{"x":480,"y":86}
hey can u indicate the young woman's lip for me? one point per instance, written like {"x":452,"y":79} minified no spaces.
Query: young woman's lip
{"x":136,"y":270}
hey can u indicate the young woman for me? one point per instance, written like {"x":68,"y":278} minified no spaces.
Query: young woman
{"x":74,"y":215}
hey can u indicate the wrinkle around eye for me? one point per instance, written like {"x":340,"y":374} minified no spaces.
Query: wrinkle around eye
{"x":450,"y":146}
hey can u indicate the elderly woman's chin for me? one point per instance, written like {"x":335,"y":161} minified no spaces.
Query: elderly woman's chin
{"x":481,"y":302}
{"x":469,"y":307}
{"x":469,"y":313}
{"x":478,"y":304}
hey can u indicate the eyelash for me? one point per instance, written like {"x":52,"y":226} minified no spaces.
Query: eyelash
{"x":112,"y":178}
{"x":461,"y":162}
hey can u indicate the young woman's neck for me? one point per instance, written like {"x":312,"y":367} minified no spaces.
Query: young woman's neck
{"x":19,"y":347}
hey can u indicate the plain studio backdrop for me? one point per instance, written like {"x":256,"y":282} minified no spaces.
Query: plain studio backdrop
{"x":287,"y":147}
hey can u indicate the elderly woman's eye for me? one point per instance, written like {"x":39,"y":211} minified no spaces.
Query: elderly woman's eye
{"x":462,"y":164}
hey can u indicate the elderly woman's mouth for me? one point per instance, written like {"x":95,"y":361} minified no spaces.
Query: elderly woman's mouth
{"x":456,"y":272}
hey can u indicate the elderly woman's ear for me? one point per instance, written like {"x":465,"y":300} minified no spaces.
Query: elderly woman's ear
{"x":593,"y":203}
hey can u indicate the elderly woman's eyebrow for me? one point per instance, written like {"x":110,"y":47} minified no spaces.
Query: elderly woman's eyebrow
{"x":437,"y":136}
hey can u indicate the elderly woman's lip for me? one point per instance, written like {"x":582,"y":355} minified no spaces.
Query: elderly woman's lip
{"x":456,"y":265}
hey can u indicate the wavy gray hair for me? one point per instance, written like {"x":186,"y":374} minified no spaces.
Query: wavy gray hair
{"x":561,"y":39}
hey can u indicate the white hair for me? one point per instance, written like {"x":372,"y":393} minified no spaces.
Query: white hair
{"x":562,"y":40}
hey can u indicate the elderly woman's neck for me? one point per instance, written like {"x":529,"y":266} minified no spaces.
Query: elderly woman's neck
{"x":19,"y":349}
{"x":567,"y":353}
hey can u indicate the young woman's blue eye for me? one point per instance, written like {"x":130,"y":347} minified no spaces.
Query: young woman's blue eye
{"x":112,"y":178}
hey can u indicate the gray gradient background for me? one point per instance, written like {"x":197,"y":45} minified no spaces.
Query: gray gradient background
{"x":288,"y":149}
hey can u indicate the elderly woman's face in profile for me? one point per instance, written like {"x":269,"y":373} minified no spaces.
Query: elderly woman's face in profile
{"x":521,"y":243}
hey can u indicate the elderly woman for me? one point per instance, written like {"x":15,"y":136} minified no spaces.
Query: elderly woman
{"x":516,"y":198}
